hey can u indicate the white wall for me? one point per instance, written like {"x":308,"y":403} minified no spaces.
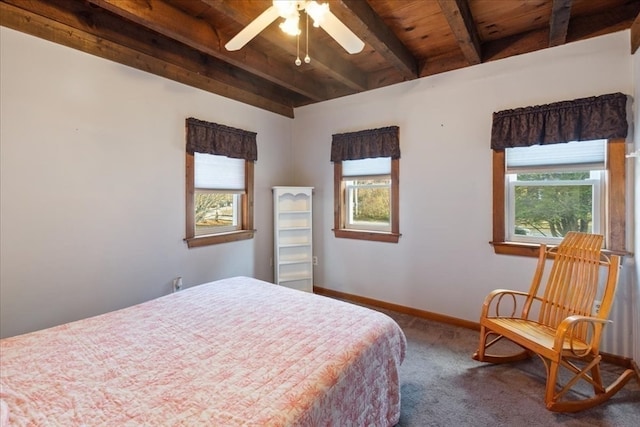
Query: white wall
{"x":92,"y":185}
{"x":443,"y":262}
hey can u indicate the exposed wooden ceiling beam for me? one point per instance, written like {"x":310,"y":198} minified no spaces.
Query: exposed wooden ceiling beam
{"x":442,"y":63}
{"x":324,"y":58}
{"x":461,"y":22}
{"x":173,"y":23}
{"x":582,"y":27}
{"x":615,"y":19}
{"x":516,"y":44}
{"x":89,"y":34}
{"x":635,"y":34}
{"x":367,"y":25}
{"x":559,"y":24}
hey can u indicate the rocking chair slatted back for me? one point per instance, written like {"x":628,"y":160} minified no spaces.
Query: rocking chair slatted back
{"x":572,"y":285}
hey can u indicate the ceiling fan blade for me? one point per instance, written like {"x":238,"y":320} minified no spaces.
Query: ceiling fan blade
{"x":341,"y":33}
{"x":253,"y":29}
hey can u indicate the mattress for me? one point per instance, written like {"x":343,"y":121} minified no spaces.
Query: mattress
{"x":234,"y":352}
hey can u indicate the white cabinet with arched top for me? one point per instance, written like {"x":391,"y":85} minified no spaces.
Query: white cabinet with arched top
{"x":293,"y":243}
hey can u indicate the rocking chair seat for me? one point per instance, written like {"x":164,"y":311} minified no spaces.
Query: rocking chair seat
{"x":534,"y":335}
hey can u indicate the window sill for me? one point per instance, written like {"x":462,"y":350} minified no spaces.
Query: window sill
{"x":214,"y":239}
{"x":375,"y":236}
{"x":513,"y":248}
{"x":533,"y":249}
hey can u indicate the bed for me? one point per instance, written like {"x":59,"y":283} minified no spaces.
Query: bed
{"x":234,"y":352}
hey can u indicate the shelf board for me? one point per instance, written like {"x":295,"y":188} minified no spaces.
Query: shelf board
{"x":293,"y":278}
{"x":300,"y":261}
{"x":294,"y":245}
{"x":295,"y":211}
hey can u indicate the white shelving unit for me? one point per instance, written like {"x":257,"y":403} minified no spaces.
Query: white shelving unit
{"x":293,"y":243}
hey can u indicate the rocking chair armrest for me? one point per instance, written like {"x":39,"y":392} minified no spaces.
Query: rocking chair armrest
{"x":565,"y":330}
{"x":499,"y":293}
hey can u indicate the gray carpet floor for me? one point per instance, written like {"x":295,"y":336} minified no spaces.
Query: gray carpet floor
{"x":442,"y":385}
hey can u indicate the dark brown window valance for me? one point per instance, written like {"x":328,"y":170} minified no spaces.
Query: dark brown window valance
{"x":597,"y":117}
{"x":212,"y":138}
{"x":382,"y":142}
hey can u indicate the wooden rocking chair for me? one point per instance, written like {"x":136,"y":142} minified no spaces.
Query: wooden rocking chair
{"x":567,"y":330}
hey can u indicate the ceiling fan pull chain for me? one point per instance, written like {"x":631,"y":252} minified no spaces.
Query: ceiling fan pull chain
{"x":307,"y":59}
{"x":298,"y":62}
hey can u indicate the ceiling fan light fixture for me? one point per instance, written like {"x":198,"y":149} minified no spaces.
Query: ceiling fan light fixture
{"x":317,"y":12}
{"x":286,"y":8}
{"x":290,"y":25}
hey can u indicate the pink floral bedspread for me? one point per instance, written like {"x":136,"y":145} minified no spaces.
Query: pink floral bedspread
{"x":235,"y":352}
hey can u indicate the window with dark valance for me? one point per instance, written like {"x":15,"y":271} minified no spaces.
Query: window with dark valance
{"x":586,"y":119}
{"x":596,"y":117}
{"x":212,"y":138}
{"x":219,"y":183}
{"x":370,"y":143}
{"x":367,"y":168}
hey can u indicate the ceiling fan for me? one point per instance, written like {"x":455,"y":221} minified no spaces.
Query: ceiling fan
{"x":290,"y":11}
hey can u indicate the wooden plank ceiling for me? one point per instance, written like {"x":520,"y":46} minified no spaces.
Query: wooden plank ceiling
{"x":184,"y":40}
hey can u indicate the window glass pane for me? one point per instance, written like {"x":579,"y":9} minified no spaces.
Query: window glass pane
{"x":545,"y":206}
{"x":218,"y":172}
{"x":368,"y":204}
{"x":216,"y":212}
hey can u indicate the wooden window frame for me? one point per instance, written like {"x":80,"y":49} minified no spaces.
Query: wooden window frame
{"x":615,"y":205}
{"x":246,"y":231}
{"x":339,"y":214}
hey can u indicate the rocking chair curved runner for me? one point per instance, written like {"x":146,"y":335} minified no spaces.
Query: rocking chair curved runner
{"x":560,"y":324}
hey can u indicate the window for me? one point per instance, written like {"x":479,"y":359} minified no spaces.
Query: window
{"x":367,"y":184}
{"x":538,"y":194}
{"x":219,"y":187}
{"x":553,"y":189}
{"x":592,"y":199}
{"x":366,"y":170}
{"x":367,"y":199}
{"x":219,"y":183}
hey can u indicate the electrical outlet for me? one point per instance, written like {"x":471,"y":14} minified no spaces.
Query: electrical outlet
{"x":596,"y":307}
{"x":315,"y":260}
{"x":177,"y":284}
